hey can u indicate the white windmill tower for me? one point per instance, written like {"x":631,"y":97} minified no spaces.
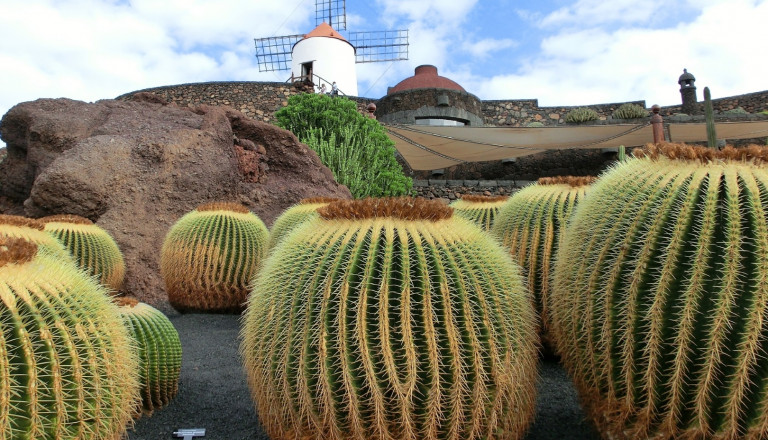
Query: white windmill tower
{"x":324,"y":56}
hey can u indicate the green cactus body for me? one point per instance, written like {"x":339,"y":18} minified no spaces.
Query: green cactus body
{"x":531,"y":226}
{"x":709,"y":115}
{"x":480,"y":209}
{"x":209,"y":256}
{"x":295,"y":216}
{"x":14,"y":226}
{"x":660,"y":293}
{"x":390,"y":319}
{"x":159,"y":352}
{"x":67,"y":368}
{"x":91,"y":246}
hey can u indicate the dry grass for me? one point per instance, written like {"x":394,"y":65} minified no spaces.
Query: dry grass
{"x":574,"y":181}
{"x":17,"y":220}
{"x":755,"y":153}
{"x":16,"y":250}
{"x":66,"y":218}
{"x":223,"y":206}
{"x":404,"y":208}
{"x":126,"y":301}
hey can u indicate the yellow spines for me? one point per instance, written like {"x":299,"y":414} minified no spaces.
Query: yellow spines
{"x":480,"y":209}
{"x":209,"y":256}
{"x":34,"y":231}
{"x":295,"y":216}
{"x":92,"y":248}
{"x":67,"y":368}
{"x":390,"y":318}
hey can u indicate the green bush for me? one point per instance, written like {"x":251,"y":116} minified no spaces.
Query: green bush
{"x":629,"y":111}
{"x":736,"y":111}
{"x":581,"y":114}
{"x":355,"y":148}
{"x":535,"y":124}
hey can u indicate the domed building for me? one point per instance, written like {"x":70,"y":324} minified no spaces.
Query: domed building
{"x":427,"y":98}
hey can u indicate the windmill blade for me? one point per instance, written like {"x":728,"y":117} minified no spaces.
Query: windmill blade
{"x":274,"y":53}
{"x":378,"y":46}
{"x":333,"y":12}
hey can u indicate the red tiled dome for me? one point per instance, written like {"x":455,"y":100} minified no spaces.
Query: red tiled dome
{"x":425,"y":77}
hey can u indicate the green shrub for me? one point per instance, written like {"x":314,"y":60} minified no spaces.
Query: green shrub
{"x":736,"y":111}
{"x":535,"y":124}
{"x":355,"y":148}
{"x":581,"y":114}
{"x":630,"y":111}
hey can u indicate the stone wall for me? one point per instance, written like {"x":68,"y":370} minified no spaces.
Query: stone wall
{"x":450,"y":190}
{"x":407,"y":106}
{"x":751,"y":102}
{"x":521,"y":112}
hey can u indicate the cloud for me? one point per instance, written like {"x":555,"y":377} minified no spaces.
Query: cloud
{"x":484,"y":47}
{"x":595,"y":12}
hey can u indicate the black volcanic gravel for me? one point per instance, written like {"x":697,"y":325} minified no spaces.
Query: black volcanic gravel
{"x":213,"y":393}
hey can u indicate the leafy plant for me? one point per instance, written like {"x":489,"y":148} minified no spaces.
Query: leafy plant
{"x":629,"y":111}
{"x":390,"y":319}
{"x":736,"y":111}
{"x":581,"y":114}
{"x":355,"y":148}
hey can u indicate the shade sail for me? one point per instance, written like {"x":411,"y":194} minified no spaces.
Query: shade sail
{"x":724,"y":130}
{"x":434,"y":147}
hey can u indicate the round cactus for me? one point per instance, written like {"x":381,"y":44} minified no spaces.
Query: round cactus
{"x":67,"y":367}
{"x":531,"y":225}
{"x":209,"y":256}
{"x":159,"y":352}
{"x":14,"y":226}
{"x":295,"y":216}
{"x":390,"y":318}
{"x":480,"y":209}
{"x":91,"y":246}
{"x":659,"y":295}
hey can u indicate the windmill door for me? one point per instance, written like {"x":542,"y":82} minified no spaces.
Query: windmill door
{"x":306,"y":71}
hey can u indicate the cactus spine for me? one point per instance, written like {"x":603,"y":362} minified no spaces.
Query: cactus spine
{"x":14,"y":226}
{"x":660,"y":295}
{"x":295,"y":216}
{"x":91,"y":246}
{"x":67,"y":369}
{"x":479,"y":209}
{"x":710,"y":117}
{"x":531,"y":226}
{"x":209,"y":256}
{"x":159,"y":352}
{"x":390,"y":319}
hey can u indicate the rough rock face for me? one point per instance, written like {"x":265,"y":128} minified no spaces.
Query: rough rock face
{"x":135,"y":167}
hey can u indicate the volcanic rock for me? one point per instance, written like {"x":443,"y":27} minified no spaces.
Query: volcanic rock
{"x":135,"y":167}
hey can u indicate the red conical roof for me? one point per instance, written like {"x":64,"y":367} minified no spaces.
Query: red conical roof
{"x":324,"y":30}
{"x":425,"y":77}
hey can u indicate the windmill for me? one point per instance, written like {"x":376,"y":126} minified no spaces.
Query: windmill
{"x":324,"y":56}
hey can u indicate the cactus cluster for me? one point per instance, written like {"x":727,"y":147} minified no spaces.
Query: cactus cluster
{"x":209,"y":256}
{"x":581,"y":114}
{"x":531,"y":226}
{"x":390,"y":318}
{"x":479,"y":209}
{"x":158,"y":351}
{"x":660,"y":292}
{"x":295,"y":216}
{"x":15,"y":226}
{"x":67,"y":368}
{"x":629,"y":111}
{"x":91,"y":246}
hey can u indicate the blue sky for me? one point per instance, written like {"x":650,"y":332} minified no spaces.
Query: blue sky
{"x":561,"y":52}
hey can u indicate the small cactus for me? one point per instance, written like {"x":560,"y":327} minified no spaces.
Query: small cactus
{"x":209,"y":256}
{"x":479,"y":209}
{"x":659,"y":297}
{"x":159,"y":352}
{"x":91,"y":246}
{"x":629,"y":111}
{"x":33,"y":230}
{"x":295,"y":216}
{"x":581,"y":114}
{"x":709,"y":115}
{"x":390,"y":319}
{"x":531,"y":226}
{"x":67,"y":367}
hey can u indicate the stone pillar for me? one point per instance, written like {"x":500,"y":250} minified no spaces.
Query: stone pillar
{"x":688,"y":92}
{"x":657,"y":122}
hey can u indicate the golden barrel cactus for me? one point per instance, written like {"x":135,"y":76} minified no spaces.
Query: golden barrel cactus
{"x":158,"y":350}
{"x":480,"y":209}
{"x":660,"y":295}
{"x":209,"y":256}
{"x":295,"y":216}
{"x":91,"y":246}
{"x":390,"y":319}
{"x":14,"y":226}
{"x":67,"y":367}
{"x":531,"y":226}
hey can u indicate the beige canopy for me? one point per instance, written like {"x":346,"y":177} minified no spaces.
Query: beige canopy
{"x":435,"y":147}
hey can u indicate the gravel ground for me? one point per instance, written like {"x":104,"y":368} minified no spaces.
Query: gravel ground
{"x":213,"y":393}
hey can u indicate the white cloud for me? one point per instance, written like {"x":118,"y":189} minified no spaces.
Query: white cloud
{"x":594,"y":12}
{"x":484,"y":47}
